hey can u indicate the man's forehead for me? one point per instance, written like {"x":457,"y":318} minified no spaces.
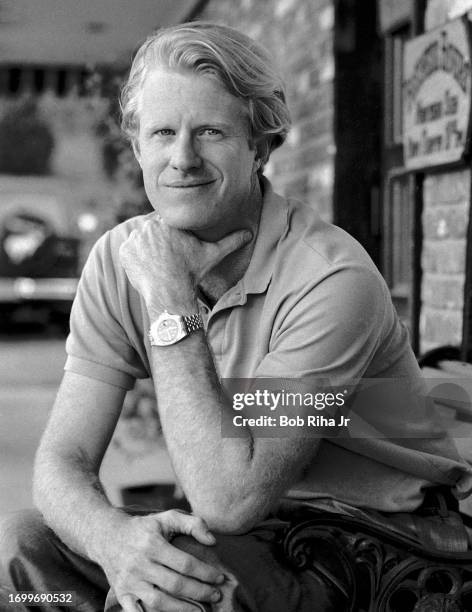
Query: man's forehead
{"x":168,"y":90}
{"x":163,"y":68}
{"x":162,"y":78}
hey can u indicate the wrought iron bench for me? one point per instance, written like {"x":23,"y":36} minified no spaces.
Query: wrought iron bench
{"x":378,"y":571}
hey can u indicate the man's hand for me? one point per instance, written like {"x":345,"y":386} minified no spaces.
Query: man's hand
{"x":141,"y":563}
{"x":165,"y":264}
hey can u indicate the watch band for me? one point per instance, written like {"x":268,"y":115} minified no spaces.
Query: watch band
{"x":193,"y":322}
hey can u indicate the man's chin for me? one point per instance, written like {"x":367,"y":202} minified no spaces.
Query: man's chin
{"x":196,"y":227}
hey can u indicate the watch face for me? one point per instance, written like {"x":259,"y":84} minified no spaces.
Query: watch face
{"x":168,"y":330}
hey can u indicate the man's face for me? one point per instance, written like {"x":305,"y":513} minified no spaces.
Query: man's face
{"x":193,"y":148}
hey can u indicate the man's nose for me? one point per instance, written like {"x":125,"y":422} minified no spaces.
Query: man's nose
{"x":185,"y":155}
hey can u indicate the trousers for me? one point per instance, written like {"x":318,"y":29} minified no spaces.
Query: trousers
{"x":34,"y":559}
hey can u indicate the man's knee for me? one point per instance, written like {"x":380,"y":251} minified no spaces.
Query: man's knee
{"x":208,"y":554}
{"x":22,"y":530}
{"x":23,"y":535}
{"x":227,"y":555}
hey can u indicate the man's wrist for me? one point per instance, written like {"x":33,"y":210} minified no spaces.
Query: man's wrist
{"x":185,"y":304}
{"x":187,"y":310}
{"x":102,"y":529}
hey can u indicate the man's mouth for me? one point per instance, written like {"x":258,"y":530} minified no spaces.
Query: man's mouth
{"x":189,"y":184}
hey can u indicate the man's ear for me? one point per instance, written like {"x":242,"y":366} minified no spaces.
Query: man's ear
{"x":137,"y":154}
{"x":261,"y":147}
{"x":257,"y":164}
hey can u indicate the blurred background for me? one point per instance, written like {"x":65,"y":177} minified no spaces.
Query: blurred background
{"x":66,"y":176}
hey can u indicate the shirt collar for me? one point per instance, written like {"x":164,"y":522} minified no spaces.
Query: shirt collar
{"x":272,"y":225}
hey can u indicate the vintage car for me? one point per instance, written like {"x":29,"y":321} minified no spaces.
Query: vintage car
{"x":45,"y":234}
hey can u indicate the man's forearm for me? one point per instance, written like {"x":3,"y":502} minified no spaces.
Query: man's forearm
{"x":73,"y":503}
{"x":219,"y":475}
{"x":66,"y":488}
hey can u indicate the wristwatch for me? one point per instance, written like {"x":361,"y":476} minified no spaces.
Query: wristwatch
{"x":170,"y":328}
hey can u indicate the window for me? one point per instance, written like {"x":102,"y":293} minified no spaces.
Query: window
{"x":60,"y":80}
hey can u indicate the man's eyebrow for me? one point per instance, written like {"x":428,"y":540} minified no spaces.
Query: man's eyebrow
{"x":225,"y":126}
{"x":216,"y":124}
{"x":159,"y":123}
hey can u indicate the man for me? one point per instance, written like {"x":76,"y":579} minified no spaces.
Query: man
{"x":225,"y":280}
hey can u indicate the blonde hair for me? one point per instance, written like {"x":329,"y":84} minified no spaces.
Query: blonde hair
{"x":242,"y":66}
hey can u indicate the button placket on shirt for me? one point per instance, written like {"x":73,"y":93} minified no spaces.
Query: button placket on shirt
{"x":217,"y":319}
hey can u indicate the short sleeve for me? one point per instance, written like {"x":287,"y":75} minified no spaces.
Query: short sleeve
{"x":331,"y":330}
{"x":98,"y":346}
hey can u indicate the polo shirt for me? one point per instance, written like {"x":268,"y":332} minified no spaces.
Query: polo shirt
{"x":311,"y":303}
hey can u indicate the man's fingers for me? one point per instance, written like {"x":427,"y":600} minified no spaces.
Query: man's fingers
{"x":129,"y":603}
{"x":233,"y":242}
{"x":187,"y":524}
{"x":199,"y":530}
{"x":187,"y":564}
{"x":178,"y":585}
{"x":154,"y":599}
{"x":217,"y":251}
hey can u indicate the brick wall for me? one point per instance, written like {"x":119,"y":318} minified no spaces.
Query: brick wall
{"x":299,"y":34}
{"x":446,"y":199}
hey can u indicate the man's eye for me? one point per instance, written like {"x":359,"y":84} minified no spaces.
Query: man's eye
{"x":164,"y":132}
{"x":210,"y":132}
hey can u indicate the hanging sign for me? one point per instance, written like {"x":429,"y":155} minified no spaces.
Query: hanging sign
{"x":436,"y":96}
